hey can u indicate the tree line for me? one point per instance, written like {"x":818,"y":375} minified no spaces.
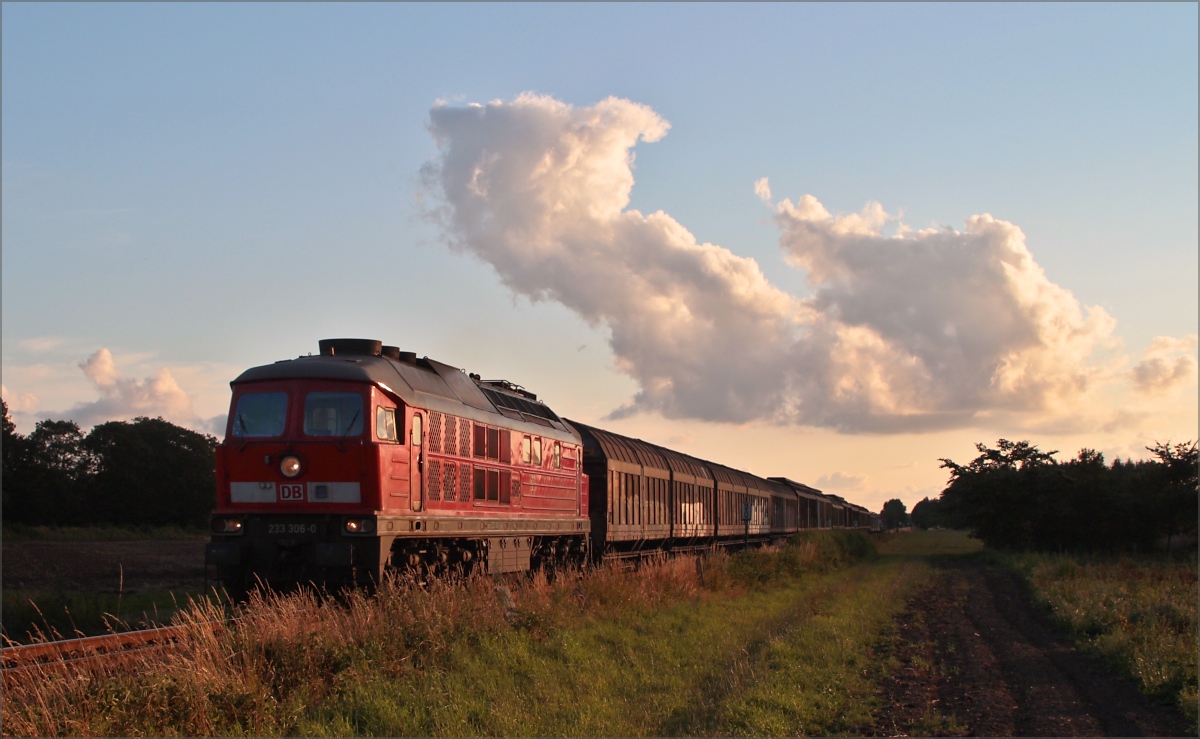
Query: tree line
{"x":1018,"y":497}
{"x":141,"y":472}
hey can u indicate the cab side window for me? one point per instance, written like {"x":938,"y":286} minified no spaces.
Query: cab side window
{"x":416,"y":429}
{"x":385,"y":423}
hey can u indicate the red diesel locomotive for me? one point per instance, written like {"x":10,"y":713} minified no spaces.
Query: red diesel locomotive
{"x":338,"y":467}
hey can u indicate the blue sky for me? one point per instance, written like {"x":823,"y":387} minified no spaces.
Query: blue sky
{"x":198,"y":188}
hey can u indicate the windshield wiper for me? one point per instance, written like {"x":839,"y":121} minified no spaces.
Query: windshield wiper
{"x":349,"y":426}
{"x":242,"y":422}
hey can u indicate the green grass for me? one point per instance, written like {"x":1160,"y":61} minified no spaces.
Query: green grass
{"x":933,"y":542}
{"x":1139,"y":613}
{"x":36,"y":615}
{"x":15,"y":532}
{"x":789,"y":660}
{"x":768,"y":643}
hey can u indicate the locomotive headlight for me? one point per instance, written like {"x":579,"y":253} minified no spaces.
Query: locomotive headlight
{"x":289,"y":466}
{"x":227,"y":525}
{"x":359,"y":526}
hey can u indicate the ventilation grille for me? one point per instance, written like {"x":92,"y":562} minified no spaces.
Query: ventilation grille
{"x":450,"y":482}
{"x":464,"y":479}
{"x":464,"y":438}
{"x":435,"y":432}
{"x":450,"y":437}
{"x":521,"y":405}
{"x":433,"y":480}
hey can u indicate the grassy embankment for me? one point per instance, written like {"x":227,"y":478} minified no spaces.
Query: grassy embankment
{"x":1140,"y":613}
{"x":54,"y":612}
{"x":764,"y":642}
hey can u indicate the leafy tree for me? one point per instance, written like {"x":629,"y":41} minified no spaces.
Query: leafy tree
{"x":894,"y":513}
{"x":994,"y":494}
{"x":47,"y":469}
{"x":927,"y":514}
{"x":1017,"y":497}
{"x":146,"y":471}
{"x":1173,"y":501}
{"x":1007,"y":456}
{"x":150,"y":471}
{"x":13,"y":449}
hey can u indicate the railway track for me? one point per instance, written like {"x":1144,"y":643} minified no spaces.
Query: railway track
{"x":108,"y":649}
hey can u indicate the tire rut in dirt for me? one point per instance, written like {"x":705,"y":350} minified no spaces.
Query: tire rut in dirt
{"x":1069,"y":693}
{"x":946,"y":682}
{"x":1048,"y":702}
{"x":973,"y":657}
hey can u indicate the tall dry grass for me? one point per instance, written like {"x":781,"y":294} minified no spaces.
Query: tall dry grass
{"x":260,"y":672}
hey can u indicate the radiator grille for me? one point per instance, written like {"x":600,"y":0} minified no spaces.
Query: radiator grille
{"x":433,"y":480}
{"x":435,"y":432}
{"x":450,"y":436}
{"x":464,"y":437}
{"x":450,"y":482}
{"x":464,"y":479}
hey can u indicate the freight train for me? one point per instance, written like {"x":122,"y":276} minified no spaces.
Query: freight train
{"x":338,"y":467}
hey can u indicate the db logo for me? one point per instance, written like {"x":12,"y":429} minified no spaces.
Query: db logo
{"x":293,"y":491}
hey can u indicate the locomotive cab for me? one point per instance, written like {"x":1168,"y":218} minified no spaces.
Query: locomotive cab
{"x":304,"y":471}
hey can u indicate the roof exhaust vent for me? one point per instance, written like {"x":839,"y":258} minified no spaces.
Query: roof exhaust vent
{"x":391,"y":352}
{"x":350,"y":347}
{"x":410,"y":357}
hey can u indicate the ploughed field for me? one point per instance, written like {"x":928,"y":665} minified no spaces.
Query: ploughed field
{"x":107,"y":566}
{"x":73,"y":584}
{"x":822,"y":637}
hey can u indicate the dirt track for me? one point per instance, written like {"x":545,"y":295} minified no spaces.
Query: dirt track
{"x":104,"y":566}
{"x":972,"y":649}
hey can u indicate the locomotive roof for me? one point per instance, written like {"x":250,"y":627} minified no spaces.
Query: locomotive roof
{"x":423,"y":383}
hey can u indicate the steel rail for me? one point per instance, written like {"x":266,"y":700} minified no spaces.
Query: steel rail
{"x":107,"y":648}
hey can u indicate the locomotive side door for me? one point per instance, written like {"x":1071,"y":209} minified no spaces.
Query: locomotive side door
{"x":416,"y":462}
{"x":390,"y":423}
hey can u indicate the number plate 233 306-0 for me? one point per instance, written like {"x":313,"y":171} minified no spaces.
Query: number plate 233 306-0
{"x":292,"y":528}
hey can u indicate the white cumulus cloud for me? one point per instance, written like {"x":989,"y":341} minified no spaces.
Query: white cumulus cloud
{"x":903,"y":331}
{"x":840,"y":481}
{"x":1167,"y":363}
{"x":539,"y":190}
{"x":122,"y":398}
{"x":20,"y":402}
{"x":929,"y":329}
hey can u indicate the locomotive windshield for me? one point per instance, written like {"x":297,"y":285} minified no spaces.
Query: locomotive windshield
{"x":260,"y":414}
{"x":333,"y":414}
